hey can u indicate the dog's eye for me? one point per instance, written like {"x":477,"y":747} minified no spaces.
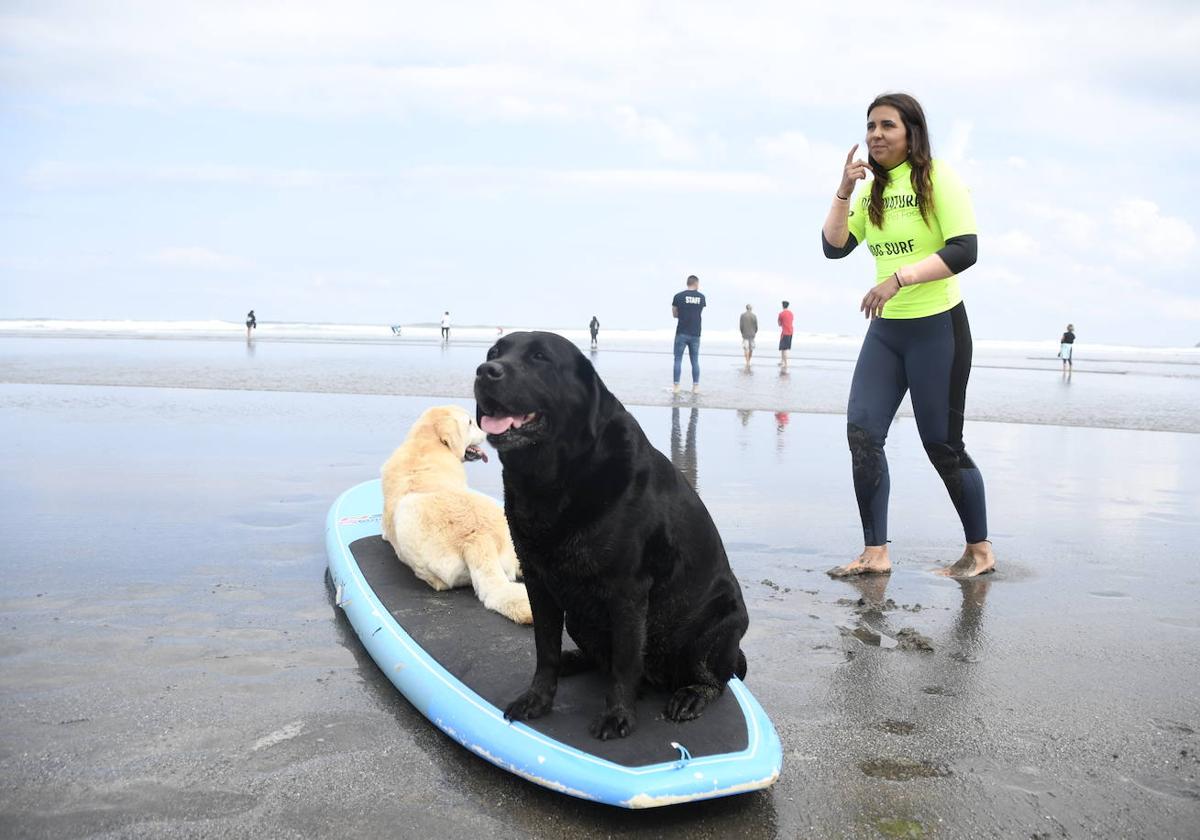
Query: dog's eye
{"x":539,"y":356}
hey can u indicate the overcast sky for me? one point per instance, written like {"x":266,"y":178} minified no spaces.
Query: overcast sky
{"x":535,"y":163}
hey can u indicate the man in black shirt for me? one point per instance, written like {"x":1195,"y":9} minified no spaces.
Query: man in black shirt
{"x":686,"y":307}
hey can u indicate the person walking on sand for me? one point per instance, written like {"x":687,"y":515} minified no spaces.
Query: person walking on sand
{"x":785,"y":321}
{"x":917,"y":219}
{"x":748,"y":324}
{"x":687,"y":307}
{"x":445,"y":326}
{"x":1067,"y":347}
{"x":594,"y":329}
{"x":251,"y":323}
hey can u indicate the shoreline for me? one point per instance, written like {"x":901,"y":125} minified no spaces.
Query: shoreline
{"x":684,"y":400}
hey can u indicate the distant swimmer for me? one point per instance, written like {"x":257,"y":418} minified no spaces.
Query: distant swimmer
{"x":917,"y":220}
{"x":748,"y":325}
{"x":1067,"y":347}
{"x":445,"y":326}
{"x":251,"y":322}
{"x":594,"y":329}
{"x":785,"y":321}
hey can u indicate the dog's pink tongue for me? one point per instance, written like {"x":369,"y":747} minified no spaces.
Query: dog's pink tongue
{"x":496,"y":425}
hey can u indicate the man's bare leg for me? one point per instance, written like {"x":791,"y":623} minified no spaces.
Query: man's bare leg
{"x":873,"y":561}
{"x":977,"y":559}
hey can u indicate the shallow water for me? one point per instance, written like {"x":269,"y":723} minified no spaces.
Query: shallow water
{"x":1139,"y":393}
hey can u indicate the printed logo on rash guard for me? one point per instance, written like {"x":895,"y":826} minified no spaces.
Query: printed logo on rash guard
{"x":892,"y":249}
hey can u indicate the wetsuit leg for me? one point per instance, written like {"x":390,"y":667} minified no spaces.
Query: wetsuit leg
{"x":938,"y":363}
{"x":876,"y":390}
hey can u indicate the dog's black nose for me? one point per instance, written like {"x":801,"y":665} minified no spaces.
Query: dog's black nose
{"x":492,"y":370}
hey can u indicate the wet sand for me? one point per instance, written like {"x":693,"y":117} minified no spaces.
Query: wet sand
{"x":172,"y":664}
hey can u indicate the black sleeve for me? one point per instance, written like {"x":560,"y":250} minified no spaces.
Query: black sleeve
{"x":960,"y":252}
{"x":834,"y":253}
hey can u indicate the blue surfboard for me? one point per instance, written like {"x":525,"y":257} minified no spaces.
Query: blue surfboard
{"x":460,"y":664}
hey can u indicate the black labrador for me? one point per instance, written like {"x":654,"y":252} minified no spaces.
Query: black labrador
{"x":612,"y":540}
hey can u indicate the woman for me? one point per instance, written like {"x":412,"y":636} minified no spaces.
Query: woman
{"x":917,"y":220}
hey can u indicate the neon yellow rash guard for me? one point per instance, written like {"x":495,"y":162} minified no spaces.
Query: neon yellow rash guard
{"x":905,"y":238}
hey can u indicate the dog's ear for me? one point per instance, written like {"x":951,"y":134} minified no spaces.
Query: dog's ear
{"x":599,"y":399}
{"x":449,"y":431}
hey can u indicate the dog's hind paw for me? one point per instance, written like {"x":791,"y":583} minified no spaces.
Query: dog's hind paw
{"x":689,"y":702}
{"x":617,"y":722}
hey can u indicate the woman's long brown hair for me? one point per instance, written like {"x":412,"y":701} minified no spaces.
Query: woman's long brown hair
{"x":919,"y":156}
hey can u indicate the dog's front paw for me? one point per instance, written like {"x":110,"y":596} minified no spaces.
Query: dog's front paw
{"x":517,"y":609}
{"x":532,"y":704}
{"x":689,"y":702}
{"x":616,"y":722}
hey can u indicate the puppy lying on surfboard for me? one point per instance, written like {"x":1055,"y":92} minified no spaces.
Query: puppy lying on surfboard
{"x":446,"y":533}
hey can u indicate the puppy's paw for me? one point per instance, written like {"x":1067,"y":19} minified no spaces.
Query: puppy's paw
{"x":517,"y":609}
{"x":532,"y":704}
{"x":689,"y":702}
{"x":616,"y":722}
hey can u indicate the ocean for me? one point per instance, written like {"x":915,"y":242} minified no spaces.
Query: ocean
{"x":1121,"y":387}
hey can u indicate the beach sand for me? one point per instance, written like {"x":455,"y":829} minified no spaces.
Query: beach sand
{"x":172,"y":664}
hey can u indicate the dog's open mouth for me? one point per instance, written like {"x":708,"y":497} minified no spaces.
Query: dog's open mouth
{"x":474,"y":453}
{"x":500,"y":424}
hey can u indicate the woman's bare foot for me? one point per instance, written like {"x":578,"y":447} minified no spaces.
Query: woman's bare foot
{"x":873,"y":561}
{"x":977,"y":559}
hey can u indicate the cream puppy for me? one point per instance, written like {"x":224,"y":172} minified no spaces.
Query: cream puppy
{"x":448,"y":534}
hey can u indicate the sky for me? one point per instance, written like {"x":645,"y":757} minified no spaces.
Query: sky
{"x":533,"y":163}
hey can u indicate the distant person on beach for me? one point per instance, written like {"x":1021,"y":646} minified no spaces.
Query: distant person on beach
{"x":918,"y":222}
{"x":1066,"y":347}
{"x":785,"y":321}
{"x":445,"y":326}
{"x":748,"y":324}
{"x":251,"y":322}
{"x":594,"y":329}
{"x":686,"y":308}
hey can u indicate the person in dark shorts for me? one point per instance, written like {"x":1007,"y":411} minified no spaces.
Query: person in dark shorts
{"x":251,"y":322}
{"x":785,"y":321}
{"x":1066,"y":348}
{"x":686,"y":308}
{"x":915,"y":215}
{"x":594,"y":329}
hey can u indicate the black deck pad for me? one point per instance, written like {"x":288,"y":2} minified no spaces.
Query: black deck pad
{"x":495,"y":658}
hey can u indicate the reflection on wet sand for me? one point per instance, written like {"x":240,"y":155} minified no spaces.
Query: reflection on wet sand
{"x":683,"y":450}
{"x":782,"y":418}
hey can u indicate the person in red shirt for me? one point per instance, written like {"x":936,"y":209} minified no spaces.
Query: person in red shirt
{"x":785,"y":336}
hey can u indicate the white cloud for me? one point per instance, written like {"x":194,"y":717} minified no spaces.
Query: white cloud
{"x":196,"y":258}
{"x":1143,"y":233}
{"x":671,"y":180}
{"x":1066,"y":225}
{"x":955,"y":149}
{"x":670,"y":144}
{"x":1012,"y":243}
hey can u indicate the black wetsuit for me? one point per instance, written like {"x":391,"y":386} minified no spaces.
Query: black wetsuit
{"x":931,"y":358}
